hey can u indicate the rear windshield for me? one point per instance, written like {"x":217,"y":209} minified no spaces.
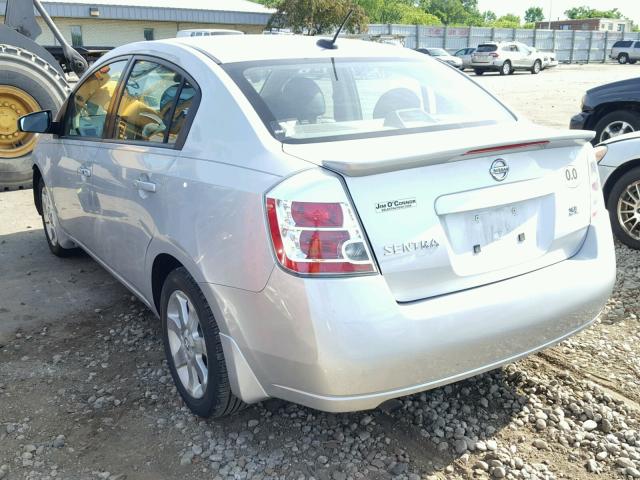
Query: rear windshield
{"x":302,"y":101}
{"x":622,"y":44}
{"x":487,"y":48}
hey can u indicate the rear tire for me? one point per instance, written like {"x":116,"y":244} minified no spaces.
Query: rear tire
{"x":506,"y":68}
{"x":33,"y":75}
{"x":633,"y":62}
{"x":537,"y":67}
{"x":478,"y":72}
{"x":202,"y":381}
{"x":623,"y":59}
{"x":619,"y":211}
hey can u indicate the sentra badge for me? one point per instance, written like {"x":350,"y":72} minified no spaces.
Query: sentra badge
{"x":410,"y":247}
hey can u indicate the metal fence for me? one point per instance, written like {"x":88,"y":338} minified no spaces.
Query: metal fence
{"x":570,"y":46}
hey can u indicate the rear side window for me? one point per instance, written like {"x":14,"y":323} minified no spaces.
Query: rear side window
{"x":637,"y":45}
{"x":622,"y":44}
{"x":487,"y":48}
{"x":88,"y":107}
{"x":149,"y":104}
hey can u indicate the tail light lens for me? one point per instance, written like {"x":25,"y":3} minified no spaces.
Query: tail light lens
{"x":316,"y":237}
{"x":597,"y":200}
{"x":494,"y":55}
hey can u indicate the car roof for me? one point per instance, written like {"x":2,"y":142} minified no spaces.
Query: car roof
{"x":246,"y":48}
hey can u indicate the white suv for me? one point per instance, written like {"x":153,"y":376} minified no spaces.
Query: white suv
{"x":506,"y":58}
{"x":625,"y":51}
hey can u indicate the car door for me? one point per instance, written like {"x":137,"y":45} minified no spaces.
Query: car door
{"x":518,"y":56}
{"x":84,"y":121}
{"x":635,"y":54}
{"x":130,"y":176}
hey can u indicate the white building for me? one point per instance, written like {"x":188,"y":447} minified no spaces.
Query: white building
{"x":111,"y":23}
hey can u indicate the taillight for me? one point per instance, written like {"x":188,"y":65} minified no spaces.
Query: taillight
{"x":314,"y":228}
{"x":494,"y":54}
{"x":597,"y":200}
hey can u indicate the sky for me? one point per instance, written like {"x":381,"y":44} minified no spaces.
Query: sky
{"x":629,"y":8}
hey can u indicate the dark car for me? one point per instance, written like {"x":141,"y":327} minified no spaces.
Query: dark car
{"x":611,"y":110}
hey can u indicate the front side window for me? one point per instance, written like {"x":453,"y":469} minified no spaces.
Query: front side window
{"x":304,"y":101}
{"x":76,"y":36}
{"x":147,"y":105}
{"x":89,"y":104}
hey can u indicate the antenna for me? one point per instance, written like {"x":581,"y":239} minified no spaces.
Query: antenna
{"x":331,"y":44}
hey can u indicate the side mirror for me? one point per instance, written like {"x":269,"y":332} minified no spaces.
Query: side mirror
{"x":37,"y":122}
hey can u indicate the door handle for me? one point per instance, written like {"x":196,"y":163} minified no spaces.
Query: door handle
{"x":84,"y":171}
{"x":145,"y":186}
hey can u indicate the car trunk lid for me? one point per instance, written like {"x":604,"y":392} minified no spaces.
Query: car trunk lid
{"x":450,"y":210}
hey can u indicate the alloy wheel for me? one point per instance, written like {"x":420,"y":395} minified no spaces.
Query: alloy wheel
{"x":506,"y":68}
{"x":536,"y":67}
{"x":629,"y":210}
{"x":619,"y":127}
{"x":187,"y":344}
{"x":49,"y":216}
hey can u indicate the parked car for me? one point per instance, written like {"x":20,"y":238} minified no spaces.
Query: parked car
{"x":506,"y":58}
{"x":612,"y":109}
{"x":625,"y":51}
{"x":442,"y":55}
{"x":619,"y":166}
{"x":464,"y":54}
{"x":334,"y":227}
{"x":549,"y":59}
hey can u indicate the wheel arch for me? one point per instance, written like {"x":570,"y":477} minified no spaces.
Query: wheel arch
{"x":609,"y":107}
{"x":163,"y":265}
{"x":37,"y":175}
{"x":617,"y":175}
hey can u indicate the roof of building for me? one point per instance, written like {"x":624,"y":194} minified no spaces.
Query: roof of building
{"x":197,"y":11}
{"x":245,"y":48}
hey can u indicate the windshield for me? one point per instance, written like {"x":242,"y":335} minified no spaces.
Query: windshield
{"x":437,"y":52}
{"x":304,"y":101}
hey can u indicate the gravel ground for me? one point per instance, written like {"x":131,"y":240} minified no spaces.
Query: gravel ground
{"x":88,"y":395}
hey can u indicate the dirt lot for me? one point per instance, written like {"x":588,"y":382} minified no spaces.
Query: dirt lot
{"x":85,"y":392}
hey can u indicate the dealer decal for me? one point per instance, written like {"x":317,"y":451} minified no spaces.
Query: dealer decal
{"x":399,"y":204}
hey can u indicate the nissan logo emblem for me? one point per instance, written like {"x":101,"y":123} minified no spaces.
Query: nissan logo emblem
{"x":499,"y":169}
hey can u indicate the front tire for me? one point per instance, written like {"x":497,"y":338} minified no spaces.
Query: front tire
{"x":537,"y":67}
{"x":193,"y":348}
{"x":623,"y":59}
{"x":478,"y":72}
{"x":623,"y":205}
{"x":50,"y":223}
{"x":506,"y":68}
{"x":616,"y":123}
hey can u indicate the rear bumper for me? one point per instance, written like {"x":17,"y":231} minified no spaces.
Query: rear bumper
{"x":346,"y":344}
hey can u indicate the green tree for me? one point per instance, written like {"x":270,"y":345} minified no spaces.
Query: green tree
{"x":450,"y":12}
{"x":578,"y":13}
{"x":489,"y":17}
{"x":533,"y":15}
{"x":397,"y":11}
{"x":313,"y":17}
{"x":507,"y":21}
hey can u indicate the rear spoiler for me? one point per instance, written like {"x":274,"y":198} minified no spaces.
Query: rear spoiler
{"x":400,"y":152}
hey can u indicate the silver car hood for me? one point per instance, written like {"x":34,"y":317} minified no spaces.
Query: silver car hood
{"x":389,"y":153}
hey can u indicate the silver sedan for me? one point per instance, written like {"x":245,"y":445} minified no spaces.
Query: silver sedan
{"x":333,"y":225}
